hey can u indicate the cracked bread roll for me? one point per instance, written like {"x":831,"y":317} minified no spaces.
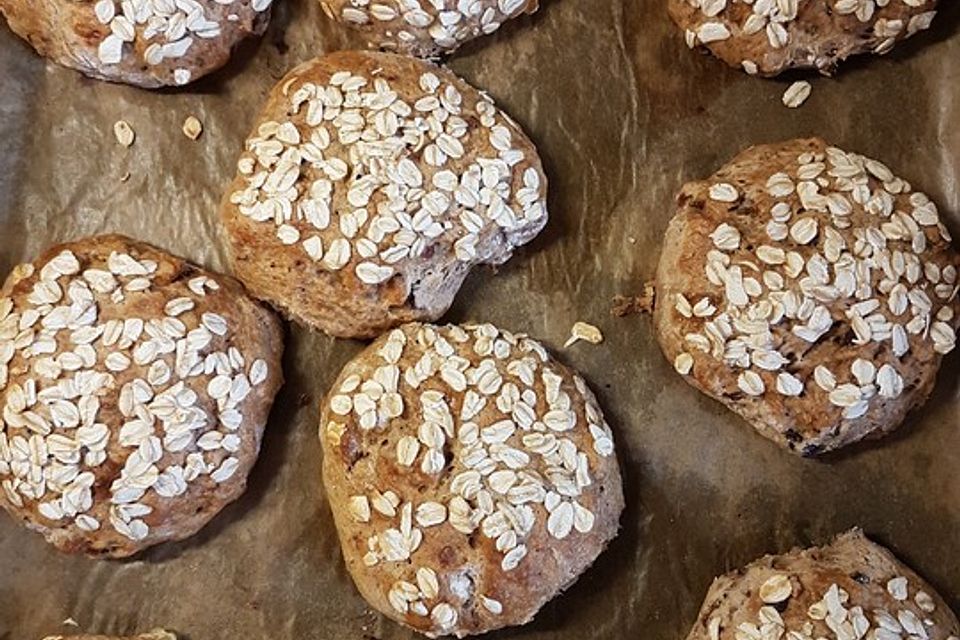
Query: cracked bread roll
{"x":847,"y":590}
{"x":134,"y":390}
{"x":811,"y":291}
{"x":768,"y":37}
{"x":371,"y":185}
{"x":148,"y":43}
{"x":472,"y":477}
{"x":424,"y":28}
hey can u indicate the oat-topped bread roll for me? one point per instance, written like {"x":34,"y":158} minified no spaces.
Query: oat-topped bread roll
{"x":371,"y":185}
{"x":811,"y":291}
{"x":424,"y":28}
{"x":134,"y":390}
{"x":156,"y":634}
{"x":851,"y":589}
{"x":471,"y":476}
{"x":148,"y":43}
{"x":767,"y":37}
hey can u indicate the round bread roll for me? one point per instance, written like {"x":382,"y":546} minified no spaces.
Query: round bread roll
{"x":767,"y":37}
{"x":134,"y":390}
{"x":472,"y":477}
{"x":148,"y":43}
{"x":371,"y":185}
{"x":811,"y":291}
{"x":424,"y":28}
{"x":156,"y":634}
{"x":847,"y":590}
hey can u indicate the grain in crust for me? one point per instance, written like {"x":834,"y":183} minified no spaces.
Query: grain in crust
{"x":811,"y":291}
{"x":424,"y":28}
{"x":134,"y":390}
{"x":849,"y":589}
{"x":767,"y":38}
{"x":370,"y":186}
{"x":147,"y":43}
{"x":472,"y":477}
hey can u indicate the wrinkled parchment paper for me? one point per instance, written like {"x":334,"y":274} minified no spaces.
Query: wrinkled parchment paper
{"x":623,"y":115}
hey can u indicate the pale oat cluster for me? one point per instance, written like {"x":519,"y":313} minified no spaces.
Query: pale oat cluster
{"x":170,"y":27}
{"x":84,"y":388}
{"x":449,"y":23}
{"x":372,"y":180}
{"x":507,"y":430}
{"x":774,"y":19}
{"x":818,"y":268}
{"x":833,"y":618}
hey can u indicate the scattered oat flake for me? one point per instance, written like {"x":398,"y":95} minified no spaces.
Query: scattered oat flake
{"x":796,"y":94}
{"x":124,"y":133}
{"x":192,"y":127}
{"x":70,"y":622}
{"x":584,"y":331}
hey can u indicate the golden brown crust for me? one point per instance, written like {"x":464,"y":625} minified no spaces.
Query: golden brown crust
{"x":110,"y":348}
{"x":768,"y":38}
{"x":416,"y":28}
{"x":854,"y":314}
{"x":852,"y":584}
{"x":474,"y":484}
{"x":98,"y":39}
{"x":366,"y":204}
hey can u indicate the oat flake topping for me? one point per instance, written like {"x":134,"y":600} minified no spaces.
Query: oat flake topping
{"x":832,"y":617}
{"x":449,"y":23}
{"x":373,"y":180}
{"x":505,"y":430}
{"x":163,"y":29}
{"x":773,"y":20}
{"x":815,"y":269}
{"x":66,"y":358}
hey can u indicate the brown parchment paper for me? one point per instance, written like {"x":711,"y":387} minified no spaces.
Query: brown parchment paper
{"x":623,"y":114}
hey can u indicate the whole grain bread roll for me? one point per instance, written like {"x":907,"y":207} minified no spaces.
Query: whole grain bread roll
{"x":811,"y":291}
{"x":134,"y":390}
{"x":471,"y":476}
{"x":424,"y":28}
{"x":148,"y":43}
{"x":847,"y":590}
{"x":371,"y":185}
{"x":768,"y":37}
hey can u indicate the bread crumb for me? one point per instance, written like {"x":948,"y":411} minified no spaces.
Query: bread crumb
{"x":628,"y":305}
{"x":584,"y":331}
{"x":192,"y":127}
{"x":124,"y":133}
{"x":796,"y":94}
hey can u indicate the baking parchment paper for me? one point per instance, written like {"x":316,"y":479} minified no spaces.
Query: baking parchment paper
{"x":623,"y":114}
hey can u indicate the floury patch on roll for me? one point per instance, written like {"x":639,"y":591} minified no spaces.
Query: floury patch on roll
{"x":425,"y":28}
{"x":811,"y":291}
{"x":134,"y":390}
{"x":768,"y":37}
{"x":852,"y":589}
{"x":371,"y":185}
{"x":148,"y":43}
{"x":472,"y":477}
